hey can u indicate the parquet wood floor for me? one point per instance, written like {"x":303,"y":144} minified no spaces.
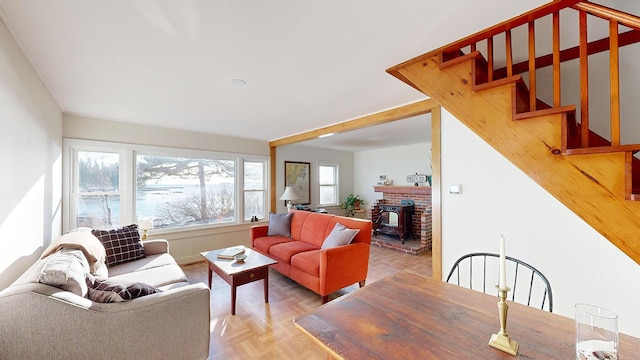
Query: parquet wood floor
{"x":266,"y":331}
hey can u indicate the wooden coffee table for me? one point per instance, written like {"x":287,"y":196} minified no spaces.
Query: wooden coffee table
{"x":235,"y":273}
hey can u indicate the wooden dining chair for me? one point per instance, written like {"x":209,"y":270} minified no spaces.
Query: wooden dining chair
{"x":477,"y":271}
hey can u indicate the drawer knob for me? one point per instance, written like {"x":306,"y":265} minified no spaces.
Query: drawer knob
{"x":252,"y":275}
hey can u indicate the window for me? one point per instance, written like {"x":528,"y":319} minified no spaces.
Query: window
{"x":96,"y":194}
{"x":176,"y":191}
{"x":254,"y":189}
{"x":328,"y":180}
{"x":171,"y":187}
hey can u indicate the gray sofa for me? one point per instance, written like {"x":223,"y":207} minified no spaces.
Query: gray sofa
{"x":39,"y":321}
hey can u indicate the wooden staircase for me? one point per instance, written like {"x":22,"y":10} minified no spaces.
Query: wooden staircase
{"x":598,"y":179}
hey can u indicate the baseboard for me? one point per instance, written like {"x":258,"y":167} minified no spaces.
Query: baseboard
{"x":189,"y":259}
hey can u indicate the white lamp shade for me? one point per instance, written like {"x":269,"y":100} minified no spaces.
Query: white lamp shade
{"x":289,"y":194}
{"x":146,"y":225}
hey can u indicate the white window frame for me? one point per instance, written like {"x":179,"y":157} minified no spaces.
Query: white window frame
{"x":265,"y":186}
{"x":71,"y":180}
{"x":127,"y":178}
{"x":336,"y":166}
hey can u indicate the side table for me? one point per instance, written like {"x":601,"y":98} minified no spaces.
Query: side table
{"x":235,"y":273}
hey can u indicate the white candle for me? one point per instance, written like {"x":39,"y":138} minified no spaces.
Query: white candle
{"x":503,"y":265}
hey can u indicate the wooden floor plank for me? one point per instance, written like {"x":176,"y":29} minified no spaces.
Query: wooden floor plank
{"x":266,"y":331}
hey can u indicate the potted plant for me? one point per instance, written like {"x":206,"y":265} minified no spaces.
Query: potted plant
{"x":350,"y":204}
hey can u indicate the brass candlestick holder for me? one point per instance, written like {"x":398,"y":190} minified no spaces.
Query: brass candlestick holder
{"x":502,"y":340}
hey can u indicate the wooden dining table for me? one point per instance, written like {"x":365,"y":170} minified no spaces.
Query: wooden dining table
{"x":410,"y":316}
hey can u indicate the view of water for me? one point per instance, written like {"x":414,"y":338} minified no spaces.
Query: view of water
{"x":150,"y":203}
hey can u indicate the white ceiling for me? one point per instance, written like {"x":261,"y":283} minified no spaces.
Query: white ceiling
{"x":307,"y":64}
{"x":414,"y":130}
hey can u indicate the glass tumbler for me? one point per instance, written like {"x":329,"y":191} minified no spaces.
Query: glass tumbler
{"x":596,"y":333}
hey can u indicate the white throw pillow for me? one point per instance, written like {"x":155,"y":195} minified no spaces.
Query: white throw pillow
{"x":66,"y":269}
{"x":92,"y":248}
{"x":340,"y":235}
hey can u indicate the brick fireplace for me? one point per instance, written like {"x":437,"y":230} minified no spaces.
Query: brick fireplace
{"x":421,"y":219}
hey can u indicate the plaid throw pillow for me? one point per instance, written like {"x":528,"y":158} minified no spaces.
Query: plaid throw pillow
{"x":109,"y":290}
{"x":121,"y":245}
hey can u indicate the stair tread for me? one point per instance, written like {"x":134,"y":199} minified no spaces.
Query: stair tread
{"x":461,"y":59}
{"x":545,"y":112}
{"x":499,"y":82}
{"x":604,"y":149}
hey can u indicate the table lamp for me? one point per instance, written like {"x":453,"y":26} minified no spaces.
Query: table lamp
{"x":145,"y":225}
{"x":288,"y":195}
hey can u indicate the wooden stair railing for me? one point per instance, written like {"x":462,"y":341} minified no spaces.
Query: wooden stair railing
{"x":601,"y":174}
{"x":485,"y":76}
{"x":525,"y":109}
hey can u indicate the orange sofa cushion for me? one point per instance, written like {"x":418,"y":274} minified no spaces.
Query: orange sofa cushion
{"x":265,"y":243}
{"x":285,"y":251}
{"x":313,"y":229}
{"x":308,"y":262}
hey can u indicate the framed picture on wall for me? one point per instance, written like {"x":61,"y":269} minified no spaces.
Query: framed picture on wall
{"x":297,"y":175}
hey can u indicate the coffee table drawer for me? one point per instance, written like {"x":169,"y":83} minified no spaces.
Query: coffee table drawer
{"x":250,"y":276}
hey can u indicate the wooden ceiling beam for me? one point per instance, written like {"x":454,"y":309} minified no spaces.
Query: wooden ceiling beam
{"x":394,"y":114}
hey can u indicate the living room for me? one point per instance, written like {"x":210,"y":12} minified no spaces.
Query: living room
{"x":496,"y":198}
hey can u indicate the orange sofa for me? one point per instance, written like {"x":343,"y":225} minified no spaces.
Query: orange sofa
{"x":301,"y":258}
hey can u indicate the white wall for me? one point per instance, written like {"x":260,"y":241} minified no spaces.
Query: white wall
{"x":497,"y":198}
{"x":314,"y":156}
{"x":396,"y":162}
{"x":82,"y":127}
{"x":30,"y":152}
